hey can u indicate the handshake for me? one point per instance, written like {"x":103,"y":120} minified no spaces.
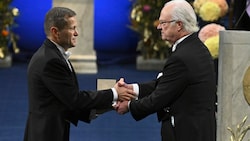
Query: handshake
{"x":125,"y":94}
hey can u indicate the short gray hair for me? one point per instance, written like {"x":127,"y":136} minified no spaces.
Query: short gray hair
{"x":57,"y":17}
{"x":184,"y":12}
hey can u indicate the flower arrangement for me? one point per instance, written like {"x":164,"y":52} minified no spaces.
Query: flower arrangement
{"x":213,"y":14}
{"x":209,"y":35}
{"x":7,"y":23}
{"x":212,"y":44}
{"x":210,"y":30}
{"x":210,"y":10}
{"x":144,"y":20}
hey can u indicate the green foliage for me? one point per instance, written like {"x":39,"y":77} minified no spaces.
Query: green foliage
{"x":144,"y":20}
{"x":7,"y":22}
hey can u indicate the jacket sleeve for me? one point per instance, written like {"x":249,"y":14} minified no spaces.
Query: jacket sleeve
{"x":167,"y":89}
{"x":63,"y":84}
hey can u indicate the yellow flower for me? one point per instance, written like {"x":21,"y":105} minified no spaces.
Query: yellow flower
{"x":223,"y":6}
{"x":197,"y":4}
{"x":1,"y":53}
{"x":210,"y":11}
{"x":212,"y":44}
{"x":15,"y":11}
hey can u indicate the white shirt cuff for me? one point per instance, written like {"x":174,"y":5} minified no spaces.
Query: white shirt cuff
{"x":115,"y":96}
{"x":129,"y":105}
{"x":136,"y":90}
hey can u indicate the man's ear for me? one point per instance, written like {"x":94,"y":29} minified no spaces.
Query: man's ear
{"x":54,"y":31}
{"x":180,"y":25}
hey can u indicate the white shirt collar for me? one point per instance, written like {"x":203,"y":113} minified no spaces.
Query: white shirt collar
{"x":64,"y":53}
{"x":178,"y":41}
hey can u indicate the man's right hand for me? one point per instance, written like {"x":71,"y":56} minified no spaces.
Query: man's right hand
{"x":125,"y":91}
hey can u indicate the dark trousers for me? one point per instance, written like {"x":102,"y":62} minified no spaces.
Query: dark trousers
{"x":167,"y":131}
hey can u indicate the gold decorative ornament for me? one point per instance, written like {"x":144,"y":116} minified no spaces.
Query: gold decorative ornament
{"x":246,"y":85}
{"x":239,"y":133}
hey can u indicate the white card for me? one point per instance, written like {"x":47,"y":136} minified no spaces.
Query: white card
{"x":105,"y":83}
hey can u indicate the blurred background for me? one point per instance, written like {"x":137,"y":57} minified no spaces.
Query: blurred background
{"x":118,"y":39}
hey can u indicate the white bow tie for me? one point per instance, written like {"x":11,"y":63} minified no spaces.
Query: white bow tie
{"x":67,"y":54}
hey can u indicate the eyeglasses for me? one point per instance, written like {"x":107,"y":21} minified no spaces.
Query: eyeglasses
{"x":164,"y":22}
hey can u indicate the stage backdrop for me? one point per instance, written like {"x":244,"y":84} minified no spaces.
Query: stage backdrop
{"x":30,"y":23}
{"x":114,"y":42}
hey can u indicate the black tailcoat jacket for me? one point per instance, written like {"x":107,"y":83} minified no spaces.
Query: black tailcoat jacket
{"x":55,"y":100}
{"x":242,"y":19}
{"x":184,"y":95}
